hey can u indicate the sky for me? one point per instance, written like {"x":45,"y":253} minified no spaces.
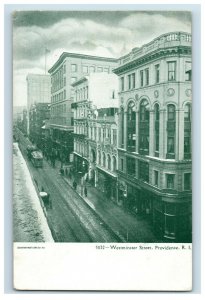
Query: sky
{"x":100,"y":33}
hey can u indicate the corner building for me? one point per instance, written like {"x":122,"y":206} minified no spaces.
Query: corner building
{"x":69,"y":68}
{"x":154,"y":149}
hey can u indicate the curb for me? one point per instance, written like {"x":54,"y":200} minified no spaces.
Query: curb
{"x":118,"y":237}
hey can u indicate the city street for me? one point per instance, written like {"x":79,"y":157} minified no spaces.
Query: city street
{"x":70,"y":219}
{"x":74,"y":219}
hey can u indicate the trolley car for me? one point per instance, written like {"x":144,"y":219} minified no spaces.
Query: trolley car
{"x":37,"y":159}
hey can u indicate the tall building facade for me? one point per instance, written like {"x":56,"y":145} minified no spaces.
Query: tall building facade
{"x":38,"y":91}
{"x":102,"y":143}
{"x":39,"y":113}
{"x":95,"y":110}
{"x":69,"y":68}
{"x":154,"y":149}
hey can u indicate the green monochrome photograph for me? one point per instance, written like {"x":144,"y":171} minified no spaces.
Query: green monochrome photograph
{"x":102,"y":126}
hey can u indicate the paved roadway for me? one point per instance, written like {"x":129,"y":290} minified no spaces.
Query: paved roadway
{"x":70,"y":218}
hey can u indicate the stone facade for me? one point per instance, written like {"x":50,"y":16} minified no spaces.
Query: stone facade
{"x":154,"y":150}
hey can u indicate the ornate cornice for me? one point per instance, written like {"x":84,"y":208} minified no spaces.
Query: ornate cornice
{"x":167,"y":52}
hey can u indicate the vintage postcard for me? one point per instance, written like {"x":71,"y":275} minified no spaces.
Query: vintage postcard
{"x":102,"y":150}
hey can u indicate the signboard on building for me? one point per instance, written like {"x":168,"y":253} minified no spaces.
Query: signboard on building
{"x":71,"y":157}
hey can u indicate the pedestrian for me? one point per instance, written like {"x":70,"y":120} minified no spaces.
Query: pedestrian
{"x":85,"y":191}
{"x":66,"y":171}
{"x":74,"y":185}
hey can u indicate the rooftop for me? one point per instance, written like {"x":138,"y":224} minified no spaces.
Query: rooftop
{"x":168,"y":40}
{"x":82,"y":56}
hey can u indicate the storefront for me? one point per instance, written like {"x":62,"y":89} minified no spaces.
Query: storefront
{"x":107,"y":183}
{"x":172,"y":218}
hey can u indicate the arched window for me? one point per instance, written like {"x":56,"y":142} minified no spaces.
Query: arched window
{"x":114,"y":163}
{"x":171,"y":112}
{"x":104,"y":160}
{"x":156,"y":119}
{"x":108,"y":162}
{"x":144,"y":127}
{"x":187,"y":131}
{"x":171,"y":131}
{"x":131,"y":127}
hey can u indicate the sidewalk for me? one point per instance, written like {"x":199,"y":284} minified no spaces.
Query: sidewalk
{"x":127,"y":227}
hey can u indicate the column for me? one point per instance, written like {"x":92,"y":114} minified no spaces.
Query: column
{"x":137,"y":132}
{"x":151,"y":133}
{"x":125,"y":130}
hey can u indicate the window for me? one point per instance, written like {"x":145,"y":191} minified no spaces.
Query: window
{"x":73,"y":68}
{"x":85,"y":69}
{"x":170,"y":145}
{"x":99,"y":157}
{"x":187,"y":145}
{"x":170,"y":181}
{"x":73,"y":79}
{"x":64,"y":68}
{"x":157,"y":73}
{"x":144,"y":128}
{"x":114,"y":137}
{"x":188,"y":71}
{"x":187,"y":131}
{"x":122,"y":164}
{"x":172,"y":71}
{"x":108,"y":162}
{"x":131,"y":166}
{"x":147,"y":76}
{"x":64,"y":81}
{"x":144,"y":171}
{"x":131,"y":127}
{"x":141,"y":78}
{"x":129,"y":82}
{"x":171,"y":131}
{"x":187,"y":112}
{"x":187,"y":181}
{"x":114,"y":163}
{"x":104,"y":160}
{"x":122,"y":83}
{"x":92,"y":69}
{"x":171,"y":112}
{"x":100,"y":69}
{"x":109,"y":135}
{"x":133,"y":80}
{"x":156,"y":177}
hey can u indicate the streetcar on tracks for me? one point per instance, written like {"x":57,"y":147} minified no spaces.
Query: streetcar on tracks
{"x":37,"y":159}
